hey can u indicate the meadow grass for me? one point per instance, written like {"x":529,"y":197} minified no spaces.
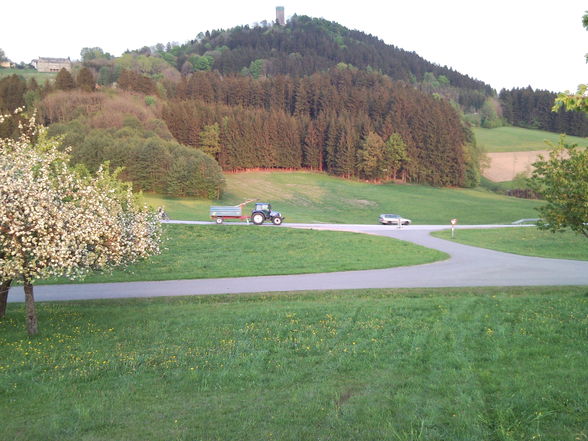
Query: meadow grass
{"x":318,"y":198}
{"x":421,"y":364}
{"x":40,"y":77}
{"x":212,"y":251}
{"x":516,"y":139}
{"x":528,"y":241}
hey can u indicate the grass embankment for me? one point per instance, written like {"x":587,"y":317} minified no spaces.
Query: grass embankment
{"x":313,"y":198}
{"x":443,"y":364}
{"x":212,"y":251}
{"x":528,"y":241}
{"x":516,"y":139}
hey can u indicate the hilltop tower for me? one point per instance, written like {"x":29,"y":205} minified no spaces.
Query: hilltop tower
{"x":280,"y":15}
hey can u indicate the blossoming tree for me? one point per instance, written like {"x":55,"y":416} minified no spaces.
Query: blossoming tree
{"x":60,"y":221}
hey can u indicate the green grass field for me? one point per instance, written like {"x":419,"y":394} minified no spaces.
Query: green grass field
{"x":313,"y":198}
{"x":516,"y":139}
{"x":40,"y":77}
{"x":443,"y":364}
{"x":528,"y":241}
{"x":212,"y":251}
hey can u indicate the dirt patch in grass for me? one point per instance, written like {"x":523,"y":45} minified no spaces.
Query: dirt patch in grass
{"x":505,"y":166}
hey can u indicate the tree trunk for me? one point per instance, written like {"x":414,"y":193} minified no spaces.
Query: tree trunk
{"x":4,"y":287}
{"x":31,"y":314}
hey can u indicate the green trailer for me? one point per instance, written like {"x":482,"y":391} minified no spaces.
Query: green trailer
{"x":220,"y":213}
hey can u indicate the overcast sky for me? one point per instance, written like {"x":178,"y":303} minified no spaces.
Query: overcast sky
{"x":505,"y":43}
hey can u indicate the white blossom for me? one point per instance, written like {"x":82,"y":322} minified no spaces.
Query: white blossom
{"x":55,"y":221}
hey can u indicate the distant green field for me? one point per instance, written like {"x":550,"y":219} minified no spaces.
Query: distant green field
{"x":314,"y":198}
{"x":516,"y":139}
{"x":40,"y":77}
{"x":528,"y":241}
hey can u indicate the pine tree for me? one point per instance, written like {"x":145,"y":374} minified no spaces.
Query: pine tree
{"x":64,"y":80}
{"x":12,"y":90}
{"x":86,"y":80}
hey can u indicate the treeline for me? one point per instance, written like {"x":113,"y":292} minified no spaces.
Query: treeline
{"x":124,"y":130}
{"x":323,"y":122}
{"x":532,"y":109}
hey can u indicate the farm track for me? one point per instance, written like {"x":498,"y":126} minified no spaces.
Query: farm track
{"x":467,"y":266}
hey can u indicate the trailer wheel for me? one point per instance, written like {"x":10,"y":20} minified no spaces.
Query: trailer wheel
{"x":257,"y":218}
{"x":219,"y":220}
{"x":277,"y":220}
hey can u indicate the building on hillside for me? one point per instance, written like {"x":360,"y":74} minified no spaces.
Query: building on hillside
{"x":44,"y":64}
{"x":280,"y":15}
{"x":6,"y":64}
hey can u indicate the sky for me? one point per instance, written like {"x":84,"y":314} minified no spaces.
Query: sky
{"x":507,"y":44}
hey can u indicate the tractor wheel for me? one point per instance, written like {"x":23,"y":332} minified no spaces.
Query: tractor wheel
{"x":277,"y":220}
{"x":219,"y":220}
{"x":257,"y":218}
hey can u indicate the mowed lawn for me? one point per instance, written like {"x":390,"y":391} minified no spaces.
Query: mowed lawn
{"x":318,"y":198}
{"x":528,"y":241}
{"x":517,"y":139}
{"x":442,"y":364}
{"x":213,"y":251}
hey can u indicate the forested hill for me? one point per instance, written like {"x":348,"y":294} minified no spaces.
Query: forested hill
{"x":307,"y":45}
{"x":311,"y":94}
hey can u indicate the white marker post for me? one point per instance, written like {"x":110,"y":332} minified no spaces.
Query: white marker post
{"x":453,"y":223}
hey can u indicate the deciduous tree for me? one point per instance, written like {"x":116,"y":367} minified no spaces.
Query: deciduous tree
{"x":562,"y":179}
{"x":57,"y":221}
{"x":395,"y":156}
{"x":579,"y":100}
{"x":210,"y":140}
{"x":370,"y":156}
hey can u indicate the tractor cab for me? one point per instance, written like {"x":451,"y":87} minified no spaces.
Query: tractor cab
{"x":264,"y":207}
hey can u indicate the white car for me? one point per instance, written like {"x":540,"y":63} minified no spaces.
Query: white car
{"x":393,"y":219}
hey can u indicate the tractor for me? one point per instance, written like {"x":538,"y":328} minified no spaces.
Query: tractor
{"x":263,"y":212}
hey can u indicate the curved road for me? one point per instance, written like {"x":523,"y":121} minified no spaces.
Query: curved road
{"x":467,"y":266}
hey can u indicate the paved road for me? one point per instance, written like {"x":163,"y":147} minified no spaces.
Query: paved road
{"x":468,"y":266}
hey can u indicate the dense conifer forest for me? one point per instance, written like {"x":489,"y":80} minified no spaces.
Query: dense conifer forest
{"x":311,"y":94}
{"x":322,"y":122}
{"x":532,"y":109}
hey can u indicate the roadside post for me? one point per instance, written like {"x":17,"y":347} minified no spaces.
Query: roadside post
{"x":453,"y":223}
